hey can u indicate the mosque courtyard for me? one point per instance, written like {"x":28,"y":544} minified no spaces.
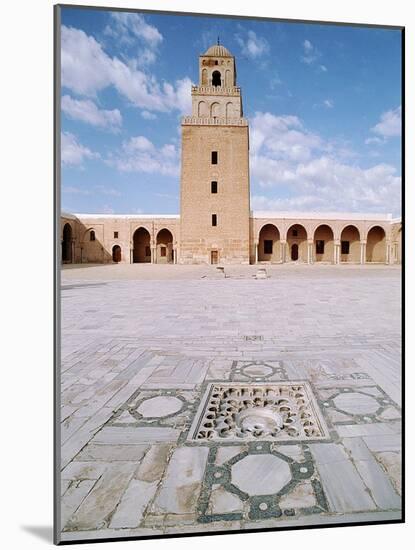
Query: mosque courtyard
{"x":194,"y":401}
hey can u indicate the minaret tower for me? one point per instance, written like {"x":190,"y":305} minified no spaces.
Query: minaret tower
{"x":214,"y":198}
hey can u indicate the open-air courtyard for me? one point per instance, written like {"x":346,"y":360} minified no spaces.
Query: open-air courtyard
{"x":192,"y":401}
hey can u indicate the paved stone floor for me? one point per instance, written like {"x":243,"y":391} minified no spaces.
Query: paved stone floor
{"x":145,"y":348}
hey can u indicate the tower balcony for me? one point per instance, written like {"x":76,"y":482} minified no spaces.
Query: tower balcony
{"x":217,"y":90}
{"x":213,"y":121}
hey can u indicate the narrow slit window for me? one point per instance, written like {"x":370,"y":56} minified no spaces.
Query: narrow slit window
{"x":214,"y":220}
{"x":213,"y":186}
{"x":92,"y":235}
{"x":214,"y":157}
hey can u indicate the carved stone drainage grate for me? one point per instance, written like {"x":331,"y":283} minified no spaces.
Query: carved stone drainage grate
{"x":277,"y":412}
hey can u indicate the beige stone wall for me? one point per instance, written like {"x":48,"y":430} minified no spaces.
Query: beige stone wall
{"x":384,"y":249}
{"x":105,"y":228}
{"x":231,"y":203}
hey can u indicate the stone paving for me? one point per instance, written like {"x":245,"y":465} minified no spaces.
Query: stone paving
{"x":309,"y":348}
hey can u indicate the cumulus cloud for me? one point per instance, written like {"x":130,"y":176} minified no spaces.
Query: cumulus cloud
{"x":311,"y":173}
{"x":329,"y":103}
{"x":87,"y":69}
{"x":390,"y":123}
{"x":252,"y":45}
{"x":129,"y":26}
{"x":86,"y":111}
{"x":72,"y":152}
{"x":139,"y":154}
{"x":130,"y":29}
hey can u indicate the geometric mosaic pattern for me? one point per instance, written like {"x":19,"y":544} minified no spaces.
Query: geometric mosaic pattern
{"x":254,"y":371}
{"x":259,"y":482}
{"x":354,"y":405}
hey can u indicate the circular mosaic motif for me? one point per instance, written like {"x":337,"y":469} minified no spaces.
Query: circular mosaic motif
{"x":356,"y":403}
{"x":157,"y":407}
{"x":257,"y":370}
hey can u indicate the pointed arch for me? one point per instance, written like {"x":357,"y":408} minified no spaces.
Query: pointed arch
{"x":350,"y":244}
{"x":376,"y":245}
{"x":141,"y":246}
{"x":67,"y":244}
{"x":269,"y":249}
{"x":164,"y":244}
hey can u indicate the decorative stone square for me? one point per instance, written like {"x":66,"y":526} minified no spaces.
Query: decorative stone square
{"x":277,"y":412}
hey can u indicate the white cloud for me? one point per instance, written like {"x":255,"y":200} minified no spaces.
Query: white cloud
{"x":87,"y":111}
{"x":129,"y":26}
{"x":311,"y":54}
{"x":72,"y":152}
{"x":329,"y":103}
{"x":70,"y":189}
{"x":131,"y":29}
{"x":252,"y":45}
{"x":374,"y":141}
{"x":87,"y":69}
{"x":139,"y":154}
{"x":148,"y":116}
{"x":313,"y":173}
{"x":390,"y":123}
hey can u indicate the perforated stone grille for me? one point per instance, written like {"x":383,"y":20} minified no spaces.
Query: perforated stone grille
{"x":278,"y":412}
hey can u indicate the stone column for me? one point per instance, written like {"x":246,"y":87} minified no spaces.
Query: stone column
{"x":310,"y":248}
{"x":362,"y":252}
{"x":388,"y":252}
{"x":256,"y":252}
{"x":283,"y":245}
{"x":336,"y":252}
{"x":153,"y":252}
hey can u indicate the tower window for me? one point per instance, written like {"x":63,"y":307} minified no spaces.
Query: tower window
{"x":115,"y":234}
{"x":267,"y":247}
{"x":214,"y":220}
{"x":345,"y":247}
{"x":213,"y":186}
{"x":214,"y":157}
{"x":216,"y":79}
{"x":216,"y":62}
{"x":92,"y":235}
{"x":319,"y":247}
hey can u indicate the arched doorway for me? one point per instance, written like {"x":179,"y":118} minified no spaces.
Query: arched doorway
{"x":216,"y":79}
{"x":324,"y":244}
{"x":294,"y":252}
{"x":269,"y":249}
{"x":164,"y":247}
{"x":67,"y":244}
{"x":141,"y":246}
{"x":297,"y":243}
{"x":116,"y":253}
{"x":376,"y":245}
{"x":350,"y":245}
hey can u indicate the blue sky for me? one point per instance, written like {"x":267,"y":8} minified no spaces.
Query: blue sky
{"x":323,"y":104}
